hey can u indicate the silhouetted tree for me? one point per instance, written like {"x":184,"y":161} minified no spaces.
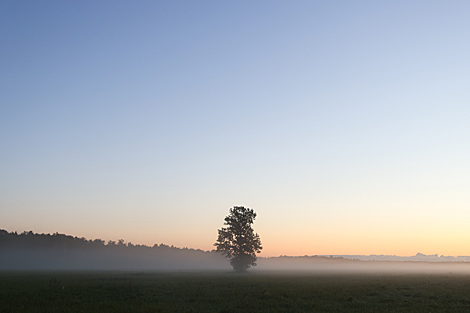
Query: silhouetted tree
{"x":238,"y":241}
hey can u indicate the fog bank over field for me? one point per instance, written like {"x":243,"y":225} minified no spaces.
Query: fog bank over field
{"x":139,"y":259}
{"x":334,"y":264}
{"x":30,"y":251}
{"x":418,"y":257}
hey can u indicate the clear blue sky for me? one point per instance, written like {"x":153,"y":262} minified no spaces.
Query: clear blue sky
{"x":344,"y":124}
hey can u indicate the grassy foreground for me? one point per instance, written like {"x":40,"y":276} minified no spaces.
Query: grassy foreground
{"x":229,"y":292}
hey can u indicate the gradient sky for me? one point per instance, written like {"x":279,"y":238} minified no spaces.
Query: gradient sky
{"x":344,"y":124}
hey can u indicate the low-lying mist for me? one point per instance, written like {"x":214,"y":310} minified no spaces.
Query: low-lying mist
{"x":30,"y":251}
{"x":342,"y":265}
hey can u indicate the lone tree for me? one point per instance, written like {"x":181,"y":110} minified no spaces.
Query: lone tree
{"x":238,"y":241}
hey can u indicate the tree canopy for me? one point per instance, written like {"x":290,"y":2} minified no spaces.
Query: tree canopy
{"x":238,"y":241}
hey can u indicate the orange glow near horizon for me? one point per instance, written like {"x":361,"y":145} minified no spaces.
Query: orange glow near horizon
{"x":441,"y":241}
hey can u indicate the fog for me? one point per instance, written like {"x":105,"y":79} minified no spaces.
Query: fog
{"x":29,"y":251}
{"x":117,"y":259}
{"x":151,"y":259}
{"x":342,"y":265}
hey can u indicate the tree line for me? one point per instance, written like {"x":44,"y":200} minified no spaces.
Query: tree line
{"x":33,"y":251}
{"x":29,"y":239}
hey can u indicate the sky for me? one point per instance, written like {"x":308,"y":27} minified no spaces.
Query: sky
{"x":343,"y":124}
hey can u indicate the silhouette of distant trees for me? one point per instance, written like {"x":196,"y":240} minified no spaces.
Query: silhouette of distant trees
{"x":28,"y":239}
{"x":32,"y":250}
{"x":238,"y":241}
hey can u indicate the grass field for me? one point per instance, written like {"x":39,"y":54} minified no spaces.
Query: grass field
{"x":229,"y":292}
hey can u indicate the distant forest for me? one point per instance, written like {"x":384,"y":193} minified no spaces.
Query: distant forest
{"x":29,"y":250}
{"x":62,"y":241}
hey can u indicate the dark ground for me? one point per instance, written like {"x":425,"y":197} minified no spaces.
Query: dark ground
{"x":229,"y":292}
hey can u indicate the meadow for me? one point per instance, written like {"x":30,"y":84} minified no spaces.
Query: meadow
{"x":223,"y":291}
